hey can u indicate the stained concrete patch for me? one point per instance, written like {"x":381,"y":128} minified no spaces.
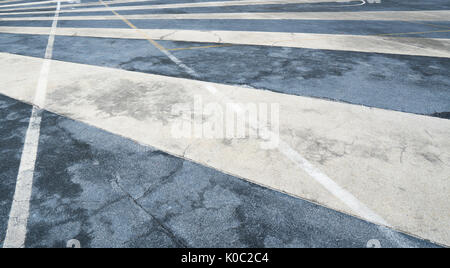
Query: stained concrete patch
{"x":14,"y":118}
{"x":107,"y":191}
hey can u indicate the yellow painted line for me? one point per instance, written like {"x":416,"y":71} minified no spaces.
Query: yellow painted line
{"x":153,"y":42}
{"x":392,"y":34}
{"x":199,"y":47}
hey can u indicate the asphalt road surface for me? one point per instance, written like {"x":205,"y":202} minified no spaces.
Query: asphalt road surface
{"x":358,"y":95}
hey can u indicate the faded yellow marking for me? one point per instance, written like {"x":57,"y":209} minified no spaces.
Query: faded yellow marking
{"x":198,"y":47}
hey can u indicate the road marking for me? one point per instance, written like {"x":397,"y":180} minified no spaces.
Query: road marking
{"x":18,"y":217}
{"x":331,"y":186}
{"x":199,"y":47}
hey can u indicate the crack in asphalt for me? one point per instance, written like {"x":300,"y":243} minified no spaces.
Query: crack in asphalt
{"x":169,"y":232}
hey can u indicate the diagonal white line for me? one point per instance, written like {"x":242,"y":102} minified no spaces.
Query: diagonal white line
{"x":18,"y":217}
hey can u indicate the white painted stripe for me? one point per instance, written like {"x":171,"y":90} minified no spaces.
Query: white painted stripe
{"x":188,"y":5}
{"x":18,"y":217}
{"x":442,"y":15}
{"x":75,"y":5}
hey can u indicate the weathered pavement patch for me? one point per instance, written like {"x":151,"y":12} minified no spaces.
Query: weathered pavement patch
{"x":107,"y":191}
{"x":14,"y":118}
